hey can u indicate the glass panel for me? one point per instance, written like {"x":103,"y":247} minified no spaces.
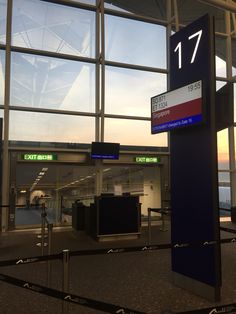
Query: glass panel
{"x":136,"y":180}
{"x":2,"y":76}
{"x":221,"y":56}
{"x":220,"y":67}
{"x":150,"y":8}
{"x":44,"y":82}
{"x":224,"y":192}
{"x":128,"y":92}
{"x":47,"y":26}
{"x":42,"y":127}
{"x":135,"y":42}
{"x":223,"y":149}
{"x":93,"y":2}
{"x":219,"y":84}
{"x":58,"y":188}
{"x":3,"y":14}
{"x":224,"y":199}
{"x":234,"y":69}
{"x":132,"y":132}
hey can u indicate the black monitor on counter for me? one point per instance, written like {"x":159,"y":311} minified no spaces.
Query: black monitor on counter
{"x":105,"y":150}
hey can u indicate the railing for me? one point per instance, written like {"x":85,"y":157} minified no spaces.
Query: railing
{"x":66,"y":297}
{"x":164,"y":213}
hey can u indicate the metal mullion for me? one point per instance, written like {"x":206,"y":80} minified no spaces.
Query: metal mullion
{"x":135,"y":67}
{"x":5,"y":164}
{"x":223,"y":79}
{"x":168,"y":34}
{"x":57,"y":55}
{"x":68,"y":3}
{"x":97,"y":77}
{"x":102,"y":62}
{"x":137,"y":17}
{"x":219,"y":4}
{"x":219,"y":34}
{"x":230,"y":129}
{"x":52,"y":111}
{"x":176,"y":15}
{"x":117,"y":116}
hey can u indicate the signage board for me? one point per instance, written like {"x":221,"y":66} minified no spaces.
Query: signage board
{"x":193,"y":164}
{"x":147,"y":160}
{"x":178,"y":108}
{"x":39,"y":157}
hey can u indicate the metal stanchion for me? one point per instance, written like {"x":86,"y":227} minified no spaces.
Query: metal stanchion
{"x":149,"y":226}
{"x":43,"y":219}
{"x":65,"y":280}
{"x":50,"y":227}
{"x":163,"y":225}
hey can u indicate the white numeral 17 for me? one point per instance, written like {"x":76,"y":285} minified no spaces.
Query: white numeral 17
{"x":179,"y":48}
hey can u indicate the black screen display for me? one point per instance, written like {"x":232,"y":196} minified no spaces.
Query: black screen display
{"x":101,"y":150}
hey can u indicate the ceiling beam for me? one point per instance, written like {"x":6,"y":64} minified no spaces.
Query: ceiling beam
{"x":230,"y":6}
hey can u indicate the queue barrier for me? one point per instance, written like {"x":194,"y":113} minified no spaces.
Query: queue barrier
{"x":155,"y":247}
{"x":66,"y":297}
{"x":165,"y":211}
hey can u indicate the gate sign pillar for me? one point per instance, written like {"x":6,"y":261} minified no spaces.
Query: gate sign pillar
{"x":194,"y":181}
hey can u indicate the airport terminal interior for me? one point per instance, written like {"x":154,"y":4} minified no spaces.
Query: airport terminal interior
{"x":74,"y":73}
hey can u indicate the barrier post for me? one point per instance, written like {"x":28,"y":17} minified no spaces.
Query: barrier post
{"x":149,"y":226}
{"x":43,"y":235}
{"x":43,"y":215}
{"x":163,"y":227}
{"x":50,"y":227}
{"x":65,"y":279}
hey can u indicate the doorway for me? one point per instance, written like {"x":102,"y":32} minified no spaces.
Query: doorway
{"x":56,"y":185}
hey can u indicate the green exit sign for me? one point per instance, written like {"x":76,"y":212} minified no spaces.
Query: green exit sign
{"x":147,"y":160}
{"x":38,"y":157}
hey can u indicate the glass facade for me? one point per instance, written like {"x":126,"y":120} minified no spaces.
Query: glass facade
{"x":138,"y":132}
{"x":3,"y":14}
{"x":51,"y":27}
{"x":43,"y":127}
{"x":123,"y":38}
{"x":77,"y":73}
{"x":2,"y":76}
{"x":52,"y":83}
{"x":128,"y":91}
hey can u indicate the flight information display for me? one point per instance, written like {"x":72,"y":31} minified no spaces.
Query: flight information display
{"x":178,"y":108}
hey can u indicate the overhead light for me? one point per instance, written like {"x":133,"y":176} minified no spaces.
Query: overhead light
{"x":107,"y":169}
{"x":41,"y":173}
{"x":23,"y":191}
{"x":44,"y":169}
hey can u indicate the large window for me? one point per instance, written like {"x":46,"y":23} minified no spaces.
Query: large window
{"x":220,"y":57}
{"x":128,"y":92}
{"x":2,"y":75}
{"x":223,"y":150}
{"x":45,"y":82}
{"x":3,"y":14}
{"x":42,"y":127}
{"x":135,"y":42}
{"x":133,"y":132}
{"x":47,"y":26}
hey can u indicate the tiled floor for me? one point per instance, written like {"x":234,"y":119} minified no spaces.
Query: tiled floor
{"x":140,"y":280}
